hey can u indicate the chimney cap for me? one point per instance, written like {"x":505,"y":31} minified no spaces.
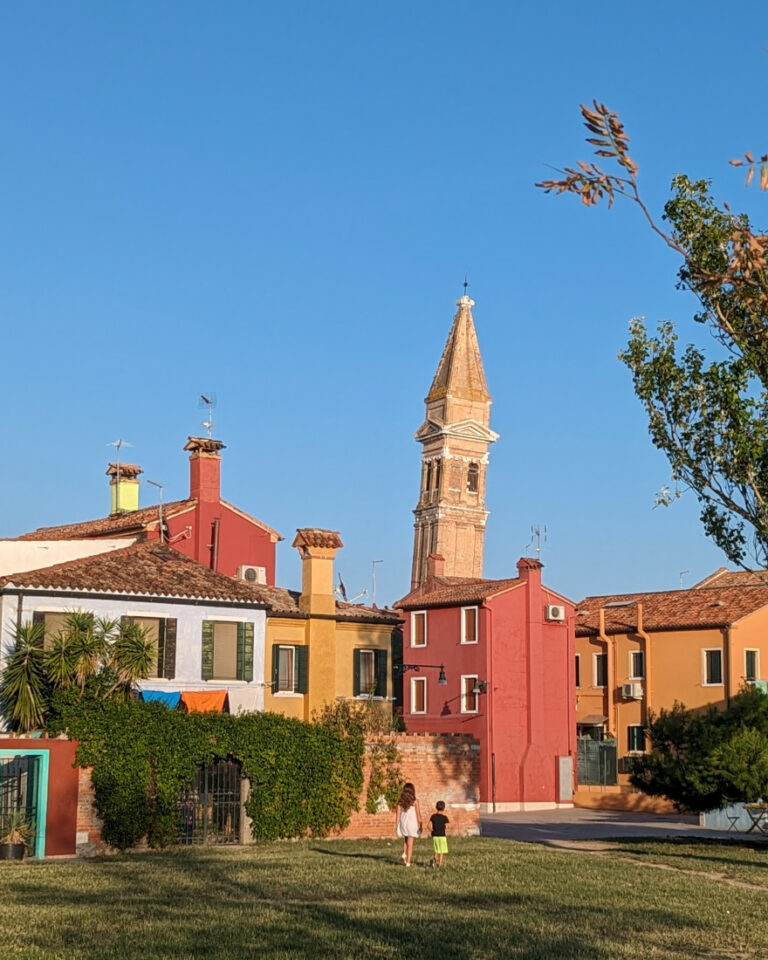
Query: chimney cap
{"x":128,"y":471}
{"x":317,"y":537}
{"x":203,"y":445}
{"x":529,"y":563}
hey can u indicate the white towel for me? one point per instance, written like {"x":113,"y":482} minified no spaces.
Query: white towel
{"x":243,"y":700}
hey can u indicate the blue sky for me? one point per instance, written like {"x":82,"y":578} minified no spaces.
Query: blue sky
{"x":279,"y":202}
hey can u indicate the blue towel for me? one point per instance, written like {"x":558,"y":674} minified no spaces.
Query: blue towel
{"x":169,"y":698}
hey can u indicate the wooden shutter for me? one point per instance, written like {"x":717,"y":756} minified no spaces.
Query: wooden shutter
{"x":381,"y":673}
{"x":356,"y":674}
{"x":301,"y":680}
{"x":245,"y":651}
{"x":275,"y":667}
{"x":169,"y":659}
{"x":207,"y":650}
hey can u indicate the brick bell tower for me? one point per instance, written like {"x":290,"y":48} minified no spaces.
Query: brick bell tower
{"x":451,"y":514}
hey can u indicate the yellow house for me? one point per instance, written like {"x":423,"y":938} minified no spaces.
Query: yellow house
{"x":320,"y":650}
{"x":638,"y":653}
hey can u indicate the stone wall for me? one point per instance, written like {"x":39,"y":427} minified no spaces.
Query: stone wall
{"x":443,"y":767}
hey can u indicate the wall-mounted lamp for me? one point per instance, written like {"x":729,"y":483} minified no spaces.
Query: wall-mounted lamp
{"x":402,"y":668}
{"x":481,"y":686}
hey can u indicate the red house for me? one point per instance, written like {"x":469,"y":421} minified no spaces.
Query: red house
{"x":494,"y":658}
{"x":203,"y":526}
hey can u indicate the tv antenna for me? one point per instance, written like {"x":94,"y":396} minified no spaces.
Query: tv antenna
{"x":373,"y":580}
{"x":682,"y":574}
{"x":208,"y":400}
{"x":159,"y":486}
{"x":538,"y":536}
{"x":118,"y":444}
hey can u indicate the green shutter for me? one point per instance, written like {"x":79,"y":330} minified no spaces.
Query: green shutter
{"x":302,"y":669}
{"x":381,"y":673}
{"x":356,"y":674}
{"x":275,"y":667}
{"x":207,"y":655}
{"x":161,"y":647}
{"x":240,"y":652}
{"x":169,"y":659}
{"x":245,"y":651}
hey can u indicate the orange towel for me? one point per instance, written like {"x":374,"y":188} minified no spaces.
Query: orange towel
{"x":204,"y":701}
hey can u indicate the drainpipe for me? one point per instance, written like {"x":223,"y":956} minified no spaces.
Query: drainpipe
{"x":728,"y":664}
{"x":489,"y":704}
{"x":215,"y":545}
{"x":647,"y":648}
{"x":612,"y":706}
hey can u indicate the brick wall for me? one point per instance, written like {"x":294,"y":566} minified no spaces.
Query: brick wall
{"x":443,"y":767}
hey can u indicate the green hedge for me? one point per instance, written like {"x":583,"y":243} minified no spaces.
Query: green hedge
{"x":305,"y":777}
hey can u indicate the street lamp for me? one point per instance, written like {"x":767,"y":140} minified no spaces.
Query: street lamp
{"x":416,"y":667}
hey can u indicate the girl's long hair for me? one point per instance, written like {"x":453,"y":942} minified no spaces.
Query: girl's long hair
{"x":407,"y":796}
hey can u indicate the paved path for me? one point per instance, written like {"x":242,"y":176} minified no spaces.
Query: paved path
{"x":553,"y":827}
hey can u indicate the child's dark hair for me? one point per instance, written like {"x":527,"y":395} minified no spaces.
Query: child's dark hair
{"x":440,"y":805}
{"x":407,"y":796}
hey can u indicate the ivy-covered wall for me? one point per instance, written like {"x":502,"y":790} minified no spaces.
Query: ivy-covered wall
{"x":305,"y":777}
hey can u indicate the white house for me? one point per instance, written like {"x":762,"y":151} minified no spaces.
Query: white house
{"x":208,"y":628}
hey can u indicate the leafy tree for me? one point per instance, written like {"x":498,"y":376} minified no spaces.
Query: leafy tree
{"x":705,"y":760}
{"x":707,"y":411}
{"x":24,"y":689}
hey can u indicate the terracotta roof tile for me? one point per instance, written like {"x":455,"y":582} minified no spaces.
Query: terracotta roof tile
{"x":447,"y":590}
{"x":119,"y":523}
{"x":733,"y":578}
{"x":280,"y":600}
{"x":145,"y":569}
{"x":128,"y":471}
{"x":315,"y":537}
{"x":670,"y":610}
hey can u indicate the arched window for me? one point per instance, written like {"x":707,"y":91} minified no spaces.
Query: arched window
{"x":473,"y":478}
{"x":437,"y":474}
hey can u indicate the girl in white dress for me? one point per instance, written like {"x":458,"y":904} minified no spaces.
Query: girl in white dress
{"x":408,"y":820}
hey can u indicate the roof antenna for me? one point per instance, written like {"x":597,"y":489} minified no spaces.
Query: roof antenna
{"x":117,"y":444}
{"x":682,"y":574}
{"x":159,"y":509}
{"x":208,"y":400}
{"x":538,"y":536}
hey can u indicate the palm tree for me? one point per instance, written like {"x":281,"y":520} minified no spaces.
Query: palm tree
{"x":23,"y":689}
{"x":131,"y":657}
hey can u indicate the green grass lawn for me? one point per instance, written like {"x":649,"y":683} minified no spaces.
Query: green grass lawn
{"x":354,"y":899}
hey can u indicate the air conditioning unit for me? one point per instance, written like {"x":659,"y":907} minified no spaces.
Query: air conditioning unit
{"x":252,"y":574}
{"x":632,"y":691}
{"x":556,"y":612}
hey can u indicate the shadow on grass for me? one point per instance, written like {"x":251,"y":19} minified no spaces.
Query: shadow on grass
{"x":692,"y":852}
{"x":381,"y":857}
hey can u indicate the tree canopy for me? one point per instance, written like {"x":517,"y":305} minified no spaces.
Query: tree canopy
{"x":707,"y":408}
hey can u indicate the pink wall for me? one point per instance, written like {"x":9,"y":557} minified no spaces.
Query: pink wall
{"x":527,"y":716}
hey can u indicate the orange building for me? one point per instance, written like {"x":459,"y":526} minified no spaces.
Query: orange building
{"x":641,"y":652}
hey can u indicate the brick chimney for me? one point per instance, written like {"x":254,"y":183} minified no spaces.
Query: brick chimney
{"x":435,"y":566}
{"x":530,"y":569}
{"x":204,"y":469}
{"x":317,"y":549}
{"x":123,"y":487}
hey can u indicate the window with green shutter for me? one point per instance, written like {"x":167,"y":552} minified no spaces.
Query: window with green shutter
{"x":369,"y":675}
{"x":207,"y":650}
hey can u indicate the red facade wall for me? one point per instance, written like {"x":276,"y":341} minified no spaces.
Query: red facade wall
{"x":526,"y":717}
{"x":61,"y":816}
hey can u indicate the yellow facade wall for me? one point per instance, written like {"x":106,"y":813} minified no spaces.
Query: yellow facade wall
{"x":674,"y":672}
{"x":331,"y":645}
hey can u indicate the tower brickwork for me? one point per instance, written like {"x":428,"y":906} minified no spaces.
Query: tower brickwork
{"x":455,"y":437}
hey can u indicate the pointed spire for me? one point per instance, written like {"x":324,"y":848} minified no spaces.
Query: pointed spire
{"x":460,"y":371}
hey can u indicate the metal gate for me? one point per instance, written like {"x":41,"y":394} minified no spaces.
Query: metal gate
{"x":210,"y":809}
{"x":597,"y":762}
{"x":19,"y":792}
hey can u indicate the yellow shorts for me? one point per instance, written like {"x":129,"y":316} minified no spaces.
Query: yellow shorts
{"x":440,"y":844}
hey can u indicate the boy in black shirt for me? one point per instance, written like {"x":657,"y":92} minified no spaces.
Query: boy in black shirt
{"x":438,"y":822}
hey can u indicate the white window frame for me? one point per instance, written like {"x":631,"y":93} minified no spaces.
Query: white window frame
{"x":634,"y":753}
{"x":756,"y":652}
{"x":414,"y":615}
{"x":704,"y":681}
{"x":595,"y":684}
{"x":292,"y":692}
{"x":464,"y":707}
{"x":632,"y":674}
{"x":465,"y":610}
{"x":414,"y":682}
{"x":577,"y":670}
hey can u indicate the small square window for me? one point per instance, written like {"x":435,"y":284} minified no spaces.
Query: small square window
{"x":419,"y":628}
{"x":418,"y":694}
{"x":635,"y":739}
{"x":713,"y":667}
{"x":636,"y":665}
{"x":469,"y":693}
{"x":469,"y":624}
{"x":601,"y":669}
